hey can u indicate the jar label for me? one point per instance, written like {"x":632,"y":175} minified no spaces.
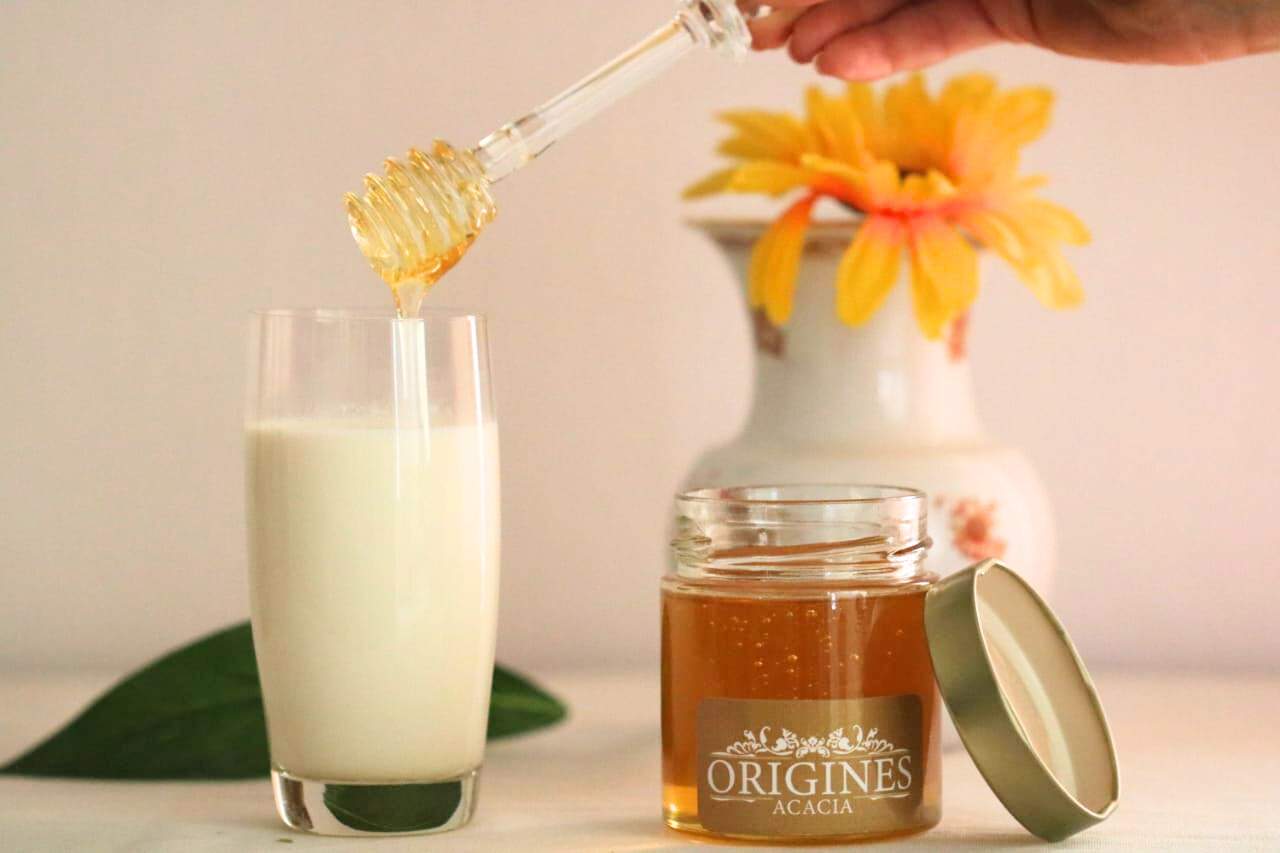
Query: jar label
{"x":809,"y":767}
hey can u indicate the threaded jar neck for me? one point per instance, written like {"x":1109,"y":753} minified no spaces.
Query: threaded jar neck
{"x":876,"y":534}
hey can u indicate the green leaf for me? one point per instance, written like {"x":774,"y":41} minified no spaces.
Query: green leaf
{"x":393,"y":808}
{"x":196,"y":713}
{"x":517,"y":705}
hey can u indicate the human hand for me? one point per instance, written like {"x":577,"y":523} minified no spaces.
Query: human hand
{"x":867,"y":39}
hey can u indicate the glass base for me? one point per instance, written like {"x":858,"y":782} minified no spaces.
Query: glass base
{"x":350,"y":808}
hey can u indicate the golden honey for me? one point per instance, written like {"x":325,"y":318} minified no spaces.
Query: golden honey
{"x":798,"y":700}
{"x":415,"y":222}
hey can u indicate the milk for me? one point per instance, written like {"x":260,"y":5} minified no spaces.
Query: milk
{"x":374,"y":589}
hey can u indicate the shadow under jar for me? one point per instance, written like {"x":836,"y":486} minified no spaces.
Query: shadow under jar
{"x":798,"y":696}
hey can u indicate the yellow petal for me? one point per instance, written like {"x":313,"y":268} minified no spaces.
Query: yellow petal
{"x":775,"y":262}
{"x":823,"y":120}
{"x":970,"y":153}
{"x":944,"y":273}
{"x":716,"y":182}
{"x":1067,"y":292}
{"x":852,"y":133}
{"x":861,"y":98}
{"x":836,"y":127}
{"x":918,"y":137}
{"x":931,"y":313}
{"x":769,"y":177}
{"x":1050,"y":278}
{"x":1023,"y":114}
{"x":870,"y":186}
{"x":976,"y":154}
{"x":986,"y":137}
{"x":907,"y":105}
{"x":841,"y":171}
{"x":860,"y":103}
{"x":869,"y":269}
{"x":883,"y":181}
{"x":930,"y":186}
{"x":992,"y":232}
{"x":748,"y":147}
{"x":966,"y":91}
{"x":776,"y":136}
{"x":1029,"y":183}
{"x":1036,"y":260}
{"x":1051,"y":222}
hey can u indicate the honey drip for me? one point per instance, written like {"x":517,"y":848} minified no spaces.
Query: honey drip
{"x":419,"y":219}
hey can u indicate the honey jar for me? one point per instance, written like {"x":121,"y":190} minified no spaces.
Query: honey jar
{"x":798,"y":697}
{"x":803,"y":646}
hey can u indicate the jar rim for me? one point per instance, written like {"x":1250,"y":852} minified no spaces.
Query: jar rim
{"x":802,"y":494}
{"x":801,"y":531}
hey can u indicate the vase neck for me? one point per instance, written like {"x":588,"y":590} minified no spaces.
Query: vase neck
{"x":884,"y":385}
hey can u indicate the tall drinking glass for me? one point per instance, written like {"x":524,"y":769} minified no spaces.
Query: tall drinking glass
{"x":372,"y":486}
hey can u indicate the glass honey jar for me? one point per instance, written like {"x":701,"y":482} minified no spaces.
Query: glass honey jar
{"x":798,"y":694}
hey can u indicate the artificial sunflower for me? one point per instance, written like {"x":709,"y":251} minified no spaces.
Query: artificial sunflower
{"x":931,"y":175}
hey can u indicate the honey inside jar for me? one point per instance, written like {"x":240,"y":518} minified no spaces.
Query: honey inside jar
{"x":793,"y":646}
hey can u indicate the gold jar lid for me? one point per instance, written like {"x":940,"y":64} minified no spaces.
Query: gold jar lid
{"x":1022,"y":701}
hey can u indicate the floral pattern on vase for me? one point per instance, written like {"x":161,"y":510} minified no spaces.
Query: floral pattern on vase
{"x":973,"y":528}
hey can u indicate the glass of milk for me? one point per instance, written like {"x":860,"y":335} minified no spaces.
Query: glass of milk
{"x":372,"y":504}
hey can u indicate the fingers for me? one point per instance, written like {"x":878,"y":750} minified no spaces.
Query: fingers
{"x":773,"y":29}
{"x":789,"y":4}
{"x":819,"y":25}
{"x":911,"y":37}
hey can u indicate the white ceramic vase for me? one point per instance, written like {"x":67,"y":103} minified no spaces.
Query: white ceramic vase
{"x":879,"y":404}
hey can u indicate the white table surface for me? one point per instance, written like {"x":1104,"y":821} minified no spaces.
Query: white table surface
{"x":1199,"y":758}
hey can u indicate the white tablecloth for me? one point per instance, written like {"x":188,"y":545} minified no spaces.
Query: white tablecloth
{"x":1199,"y":758}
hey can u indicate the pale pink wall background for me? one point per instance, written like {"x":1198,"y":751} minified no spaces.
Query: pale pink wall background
{"x":165,"y":168}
